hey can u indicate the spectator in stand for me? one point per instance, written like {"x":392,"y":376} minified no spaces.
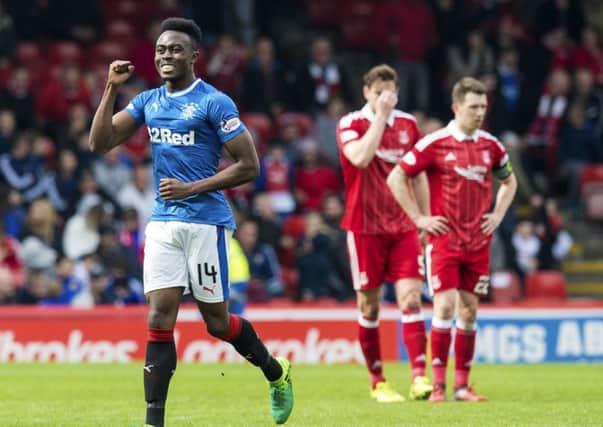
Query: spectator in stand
{"x":505,"y":113}
{"x":590,"y":96}
{"x":263,"y":82}
{"x":579,"y":146}
{"x":472,"y":57}
{"x":37,"y":286}
{"x":10,"y":259}
{"x":111,"y":174}
{"x":408,"y":31}
{"x":568,"y":14}
{"x":89,"y":192}
{"x":589,"y":54}
{"x":276,"y":178}
{"x":111,"y":252}
{"x":122,"y":289}
{"x":67,"y":178}
{"x":313,"y":180}
{"x":143,"y":54}
{"x":78,"y":122}
{"x":269,"y":226}
{"x":8,"y":37}
{"x":59,"y":94}
{"x":40,"y":245}
{"x":71,"y":288}
{"x":81,"y":235}
{"x":18,"y":168}
{"x":326,"y":126}
{"x":14,"y":213}
{"x":131,"y":235}
{"x":527,"y":246}
{"x":226,"y":65}
{"x":318,"y":276}
{"x":84,"y":23}
{"x":332,"y":213}
{"x":321,"y":79}
{"x":263,"y":264}
{"x":7,"y":290}
{"x":18,"y":97}
{"x":555,"y":241}
{"x":8,"y":129}
{"x":139,"y":193}
{"x":540,"y":155}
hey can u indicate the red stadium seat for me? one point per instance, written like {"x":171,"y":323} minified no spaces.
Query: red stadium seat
{"x":593,"y":201}
{"x":546,"y":285}
{"x":303,"y":121}
{"x":505,"y":287}
{"x":260,"y":126}
{"x":5,"y":72}
{"x":64,"y":52}
{"x":325,"y":13}
{"x":290,"y":278}
{"x":120,"y":30}
{"x":30,"y":55}
{"x":591,"y":174}
{"x":105,"y":52}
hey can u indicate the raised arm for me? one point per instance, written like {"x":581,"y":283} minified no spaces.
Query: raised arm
{"x":109,"y":130}
{"x":246,"y":167}
{"x":361,"y":152}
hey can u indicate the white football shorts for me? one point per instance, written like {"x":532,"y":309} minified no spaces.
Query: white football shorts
{"x":192,"y":256}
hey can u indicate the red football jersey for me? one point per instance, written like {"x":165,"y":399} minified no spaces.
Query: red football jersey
{"x":370,"y":207}
{"x":458,"y":169}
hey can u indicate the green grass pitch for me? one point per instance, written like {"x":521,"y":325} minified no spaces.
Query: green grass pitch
{"x":337,"y":395}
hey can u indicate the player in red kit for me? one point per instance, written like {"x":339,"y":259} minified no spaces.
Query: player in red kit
{"x":458,"y":160}
{"x":383,"y":243}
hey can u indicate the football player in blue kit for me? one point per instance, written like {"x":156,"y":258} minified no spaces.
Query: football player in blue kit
{"x":186,"y":249}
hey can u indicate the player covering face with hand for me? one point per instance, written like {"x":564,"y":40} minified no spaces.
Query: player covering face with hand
{"x":458,"y":160}
{"x":186,"y":249}
{"x":383,"y":243}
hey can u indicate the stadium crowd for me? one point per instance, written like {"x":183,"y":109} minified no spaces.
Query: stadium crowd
{"x":73,"y":222}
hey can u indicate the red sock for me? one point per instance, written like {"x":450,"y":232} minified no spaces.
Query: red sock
{"x":440,"y":347}
{"x":368,"y":335}
{"x":234,"y":328}
{"x":415,"y":340}
{"x":160,"y":335}
{"x":464,"y":347}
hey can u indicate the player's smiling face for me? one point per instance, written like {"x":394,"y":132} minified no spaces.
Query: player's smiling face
{"x":469,"y":114}
{"x":175,"y":56}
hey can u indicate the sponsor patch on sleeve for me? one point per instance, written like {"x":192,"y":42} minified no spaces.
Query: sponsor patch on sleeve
{"x":230,"y":124}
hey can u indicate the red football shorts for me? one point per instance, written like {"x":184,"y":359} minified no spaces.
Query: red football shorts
{"x":379,"y":258}
{"x":446,"y":269}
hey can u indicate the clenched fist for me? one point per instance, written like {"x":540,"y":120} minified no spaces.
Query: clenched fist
{"x":119,"y":72}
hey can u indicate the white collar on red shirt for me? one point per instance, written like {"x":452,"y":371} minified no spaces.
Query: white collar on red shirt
{"x":459,"y":135}
{"x":368,"y":113}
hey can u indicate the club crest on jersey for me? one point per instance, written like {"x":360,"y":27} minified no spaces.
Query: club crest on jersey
{"x":403,"y":137}
{"x":188,"y":111}
{"x":230,"y":124}
{"x":486,"y":157}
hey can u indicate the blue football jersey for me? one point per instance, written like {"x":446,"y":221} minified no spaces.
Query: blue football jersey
{"x":187,"y":130}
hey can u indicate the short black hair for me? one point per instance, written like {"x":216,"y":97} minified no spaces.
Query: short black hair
{"x":183,"y":25}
